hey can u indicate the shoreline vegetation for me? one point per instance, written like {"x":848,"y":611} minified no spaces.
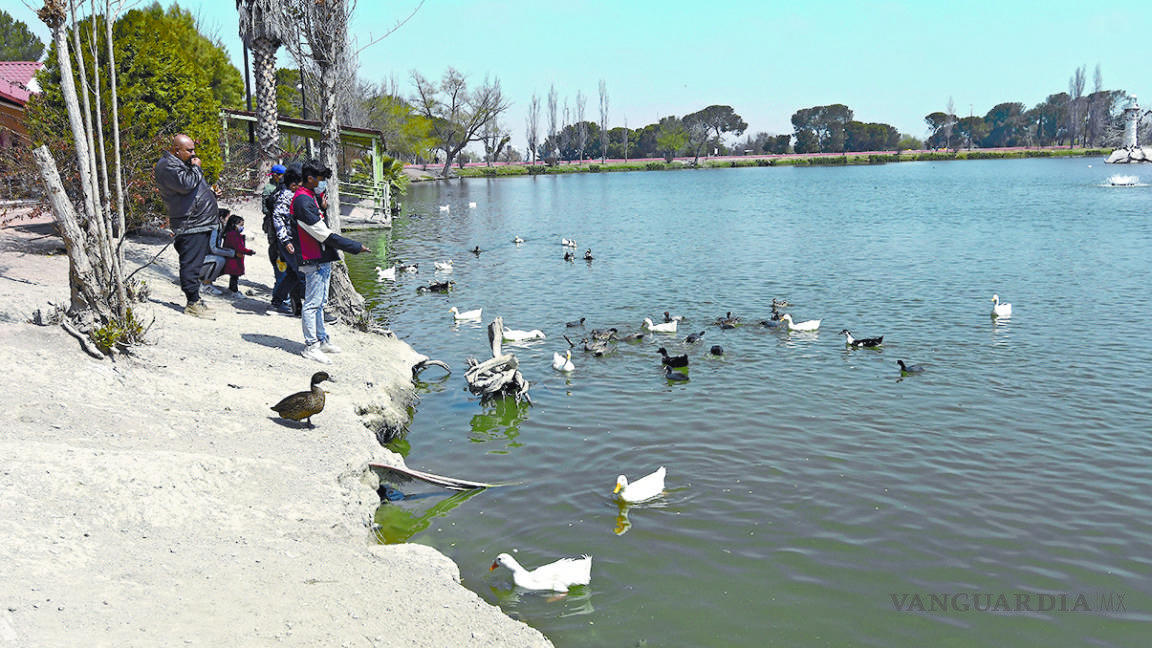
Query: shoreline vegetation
{"x":503,"y":169}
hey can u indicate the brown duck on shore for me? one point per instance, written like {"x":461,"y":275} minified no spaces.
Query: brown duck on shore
{"x":301,"y":406}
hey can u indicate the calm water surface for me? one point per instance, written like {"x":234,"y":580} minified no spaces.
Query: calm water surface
{"x":812,"y":491}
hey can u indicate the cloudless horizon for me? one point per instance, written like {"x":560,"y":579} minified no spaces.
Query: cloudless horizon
{"x":892,"y":62}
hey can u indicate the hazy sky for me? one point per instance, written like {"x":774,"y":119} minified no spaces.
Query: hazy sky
{"x":891,"y":62}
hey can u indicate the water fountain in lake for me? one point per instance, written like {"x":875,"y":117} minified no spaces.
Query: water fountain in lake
{"x":1131,"y":152}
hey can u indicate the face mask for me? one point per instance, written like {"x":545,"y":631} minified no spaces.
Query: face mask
{"x":322,"y":187}
{"x":240,"y":229}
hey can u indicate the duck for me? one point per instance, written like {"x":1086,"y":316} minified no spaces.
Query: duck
{"x":302,"y":406}
{"x":603,"y":335}
{"x":569,"y":256}
{"x":471,"y":205}
{"x":575,"y":323}
{"x":772,"y":323}
{"x":445,"y":208}
{"x":668,"y":317}
{"x":643,"y":489}
{"x":443,"y":266}
{"x":567,"y":242}
{"x":780,"y":303}
{"x":558,"y":576}
{"x":386,"y":275}
{"x":408,"y":267}
{"x":511,"y":335}
{"x":517,"y":240}
{"x":437,"y":287}
{"x":588,"y":254}
{"x":562,"y":362}
{"x":728,"y":321}
{"x":672,"y":361}
{"x":466,"y":315}
{"x":910,"y":369}
{"x":869,"y":343}
{"x":1000,"y":310}
{"x":673,"y":375}
{"x":807,"y":325}
{"x":632,"y":337}
{"x":596,"y":347}
{"x":694,"y":337}
{"x":716,"y":350}
{"x":662,"y":327}
{"x":476,"y":250}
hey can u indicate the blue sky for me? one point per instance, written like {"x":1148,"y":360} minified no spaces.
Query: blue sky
{"x":889,"y":61}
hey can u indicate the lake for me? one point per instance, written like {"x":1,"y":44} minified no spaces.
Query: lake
{"x":815,"y":496}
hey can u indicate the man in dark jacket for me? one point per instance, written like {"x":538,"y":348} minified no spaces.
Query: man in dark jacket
{"x":192,"y":215}
{"x":316,"y":248}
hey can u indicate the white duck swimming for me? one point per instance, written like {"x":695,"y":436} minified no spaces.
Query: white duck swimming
{"x":567,"y":242}
{"x":517,"y":240}
{"x":1000,"y":310}
{"x":443,"y":266}
{"x":557,"y":576}
{"x":386,"y":275}
{"x":511,"y":335}
{"x":642,"y":489}
{"x":562,"y":362}
{"x":662,"y":327}
{"x":466,"y":315}
{"x":808,"y":325}
{"x":445,"y":208}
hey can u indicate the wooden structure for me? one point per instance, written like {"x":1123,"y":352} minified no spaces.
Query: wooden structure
{"x":365,"y":139}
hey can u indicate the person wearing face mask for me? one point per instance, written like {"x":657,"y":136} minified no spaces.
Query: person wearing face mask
{"x":234,"y":240}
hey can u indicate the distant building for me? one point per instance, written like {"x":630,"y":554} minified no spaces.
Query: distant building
{"x":17,"y":85}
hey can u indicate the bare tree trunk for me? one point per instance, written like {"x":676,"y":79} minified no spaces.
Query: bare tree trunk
{"x":84,"y":282}
{"x":115,"y":101}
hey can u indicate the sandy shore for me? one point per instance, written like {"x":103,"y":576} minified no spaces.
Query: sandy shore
{"x":156,"y":500}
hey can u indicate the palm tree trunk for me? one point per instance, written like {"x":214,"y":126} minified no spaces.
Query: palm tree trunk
{"x":267,"y":128}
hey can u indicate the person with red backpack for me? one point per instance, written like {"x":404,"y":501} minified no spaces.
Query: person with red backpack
{"x":316,"y":248}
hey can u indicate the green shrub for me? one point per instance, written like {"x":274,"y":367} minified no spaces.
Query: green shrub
{"x":655,"y":166}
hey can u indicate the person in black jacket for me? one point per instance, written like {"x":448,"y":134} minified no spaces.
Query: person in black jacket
{"x":316,"y":248}
{"x":191,"y":207}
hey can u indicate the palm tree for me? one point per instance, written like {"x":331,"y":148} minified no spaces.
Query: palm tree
{"x":263,"y":26}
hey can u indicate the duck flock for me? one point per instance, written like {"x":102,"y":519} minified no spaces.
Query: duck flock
{"x":570,"y":572}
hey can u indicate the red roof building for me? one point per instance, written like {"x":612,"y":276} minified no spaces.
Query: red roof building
{"x":17,"y":85}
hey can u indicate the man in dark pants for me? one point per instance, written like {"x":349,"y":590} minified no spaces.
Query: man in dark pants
{"x":192,"y":215}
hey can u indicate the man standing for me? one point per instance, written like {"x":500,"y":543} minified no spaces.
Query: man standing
{"x":317,"y":248}
{"x":192,"y":215}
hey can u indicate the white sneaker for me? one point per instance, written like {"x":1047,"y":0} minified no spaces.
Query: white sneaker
{"x":327,"y":347}
{"x":313,"y":352}
{"x":211,"y":290}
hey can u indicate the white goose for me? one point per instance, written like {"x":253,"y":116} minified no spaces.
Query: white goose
{"x":662,"y":327}
{"x":386,"y":275}
{"x":567,"y":242}
{"x":471,"y":205}
{"x":642,"y":489}
{"x":466,"y":315}
{"x":1000,"y":310}
{"x":557,"y":576}
{"x":809,"y":325}
{"x":443,"y":266}
{"x":511,"y":335}
{"x":517,"y":240}
{"x":445,"y":208}
{"x":563,"y":362}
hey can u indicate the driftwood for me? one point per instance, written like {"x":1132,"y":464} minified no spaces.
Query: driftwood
{"x":451,"y":483}
{"x":499,"y":376}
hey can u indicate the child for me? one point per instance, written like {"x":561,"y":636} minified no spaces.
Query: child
{"x":234,"y":240}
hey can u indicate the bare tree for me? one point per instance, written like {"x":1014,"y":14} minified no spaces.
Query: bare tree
{"x":625,"y":139}
{"x":949,"y":122}
{"x":532,"y":127}
{"x":581,"y":125}
{"x":98,"y":294}
{"x":495,"y":139}
{"x":551,"y":124}
{"x":566,"y":133}
{"x":603,"y":121}
{"x":1075,"y":105}
{"x":457,"y":114}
